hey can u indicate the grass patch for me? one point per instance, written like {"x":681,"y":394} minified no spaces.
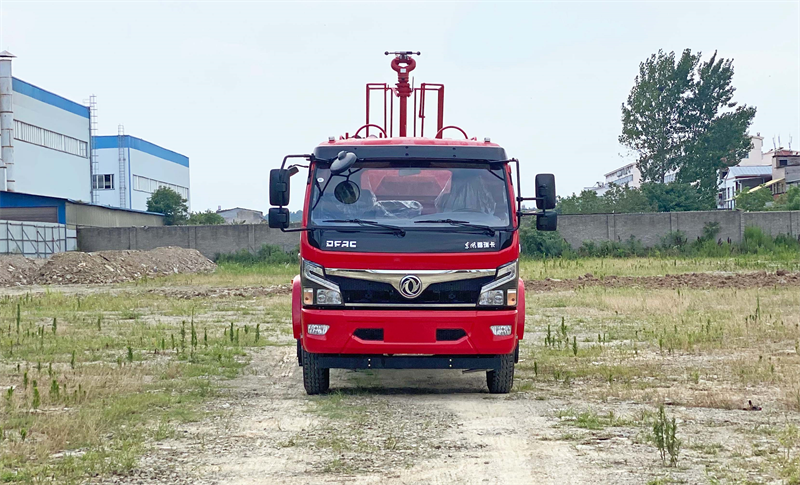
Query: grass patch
{"x":89,"y":380}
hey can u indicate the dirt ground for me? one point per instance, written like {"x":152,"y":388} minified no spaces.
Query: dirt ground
{"x":760,"y":279}
{"x":443,"y":427}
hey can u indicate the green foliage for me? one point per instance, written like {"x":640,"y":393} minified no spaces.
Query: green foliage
{"x":677,"y":197}
{"x":679,"y":116}
{"x":676,"y":244}
{"x":790,"y":201}
{"x":207,"y":218}
{"x":170,"y":203}
{"x":651,"y":197}
{"x":615,"y":249}
{"x":753,"y":200}
{"x":268,"y":253}
{"x":548,"y":244}
{"x":664,"y":437}
{"x":36,"y":398}
{"x":617,"y":199}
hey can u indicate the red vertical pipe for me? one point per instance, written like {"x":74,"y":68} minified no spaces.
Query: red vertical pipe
{"x":440,"y":118}
{"x":368,"y":90}
{"x":403,"y":65}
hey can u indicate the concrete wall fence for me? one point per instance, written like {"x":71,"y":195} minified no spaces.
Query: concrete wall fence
{"x":648,"y":228}
{"x":209,"y":240}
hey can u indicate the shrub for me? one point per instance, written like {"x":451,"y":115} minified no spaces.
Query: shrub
{"x":542,"y":244}
{"x":268,"y":253}
{"x":755,"y":241}
{"x":664,"y":437}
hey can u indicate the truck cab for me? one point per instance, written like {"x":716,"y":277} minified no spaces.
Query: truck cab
{"x":409,"y":255}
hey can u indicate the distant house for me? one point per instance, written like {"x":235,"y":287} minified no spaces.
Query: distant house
{"x":735,"y":179}
{"x":239,"y":215}
{"x":785,"y":170}
{"x":626,"y":175}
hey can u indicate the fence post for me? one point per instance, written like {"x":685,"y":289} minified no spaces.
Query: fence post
{"x":741,"y":225}
{"x":251,"y":237}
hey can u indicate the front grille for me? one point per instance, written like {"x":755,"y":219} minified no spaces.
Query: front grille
{"x":357,"y":291}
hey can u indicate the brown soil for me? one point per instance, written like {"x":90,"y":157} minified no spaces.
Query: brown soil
{"x":187,"y":293}
{"x":18,"y":270}
{"x":101,"y":267}
{"x":674,"y":281}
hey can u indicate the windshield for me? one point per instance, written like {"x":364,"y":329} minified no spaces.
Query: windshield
{"x":473,"y":193}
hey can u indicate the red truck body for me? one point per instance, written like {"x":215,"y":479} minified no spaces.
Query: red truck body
{"x":409,"y":253}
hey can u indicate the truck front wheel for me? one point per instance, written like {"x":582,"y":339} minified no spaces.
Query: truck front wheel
{"x":500,"y":380}
{"x":316,"y":379}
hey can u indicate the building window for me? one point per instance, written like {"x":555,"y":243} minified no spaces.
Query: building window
{"x":149,"y":185}
{"x":50,"y":139}
{"x":103,"y":181}
{"x":783,"y":162}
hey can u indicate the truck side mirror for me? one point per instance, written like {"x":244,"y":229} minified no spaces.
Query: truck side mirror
{"x":278,"y":217}
{"x":546,"y":191}
{"x":278,"y":188}
{"x":546,"y":221}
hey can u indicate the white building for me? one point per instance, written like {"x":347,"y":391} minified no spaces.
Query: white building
{"x":47,"y":147}
{"x":131,"y":169}
{"x":51,"y":144}
{"x":626,"y":175}
{"x":239,"y":215}
{"x":741,"y":177}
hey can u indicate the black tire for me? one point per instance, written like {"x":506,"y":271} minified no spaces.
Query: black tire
{"x":501,"y":380}
{"x":316,"y":380}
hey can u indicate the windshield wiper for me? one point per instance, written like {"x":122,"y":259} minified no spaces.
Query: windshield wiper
{"x":397,"y":231}
{"x":454,"y":222}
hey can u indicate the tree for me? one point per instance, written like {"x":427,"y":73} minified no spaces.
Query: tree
{"x":625,"y":199}
{"x":753,"y":200}
{"x":587,"y":202}
{"x":170,"y":203}
{"x":676,"y":197}
{"x":617,"y":199}
{"x":680,"y":117}
{"x":790,"y":201}
{"x":207,"y":218}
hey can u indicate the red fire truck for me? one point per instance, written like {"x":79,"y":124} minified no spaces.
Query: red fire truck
{"x":409,"y":248}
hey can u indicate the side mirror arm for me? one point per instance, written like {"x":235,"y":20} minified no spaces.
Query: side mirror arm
{"x":520,"y":199}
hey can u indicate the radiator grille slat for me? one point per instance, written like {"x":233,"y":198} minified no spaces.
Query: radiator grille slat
{"x":356,"y":291}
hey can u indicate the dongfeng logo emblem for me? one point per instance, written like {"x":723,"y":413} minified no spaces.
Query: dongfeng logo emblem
{"x":410,"y":286}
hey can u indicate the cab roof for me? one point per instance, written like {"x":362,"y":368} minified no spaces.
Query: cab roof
{"x":412,"y":148}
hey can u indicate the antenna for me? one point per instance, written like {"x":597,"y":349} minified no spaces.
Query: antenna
{"x":774,"y":147}
{"x":779,"y":142}
{"x":790,"y":142}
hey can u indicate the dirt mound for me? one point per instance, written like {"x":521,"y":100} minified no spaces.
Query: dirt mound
{"x":243,"y":292}
{"x":16,"y":270}
{"x":685,"y":280}
{"x":120,"y":266}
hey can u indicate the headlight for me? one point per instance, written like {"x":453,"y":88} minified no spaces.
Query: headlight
{"x":503,"y":290}
{"x":329,"y":297}
{"x":316,"y":288}
{"x":492,"y":297}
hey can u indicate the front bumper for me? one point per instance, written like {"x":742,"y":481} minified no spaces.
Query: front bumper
{"x":409,"y":331}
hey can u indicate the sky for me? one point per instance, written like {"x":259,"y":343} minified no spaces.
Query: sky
{"x":235,"y":86}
